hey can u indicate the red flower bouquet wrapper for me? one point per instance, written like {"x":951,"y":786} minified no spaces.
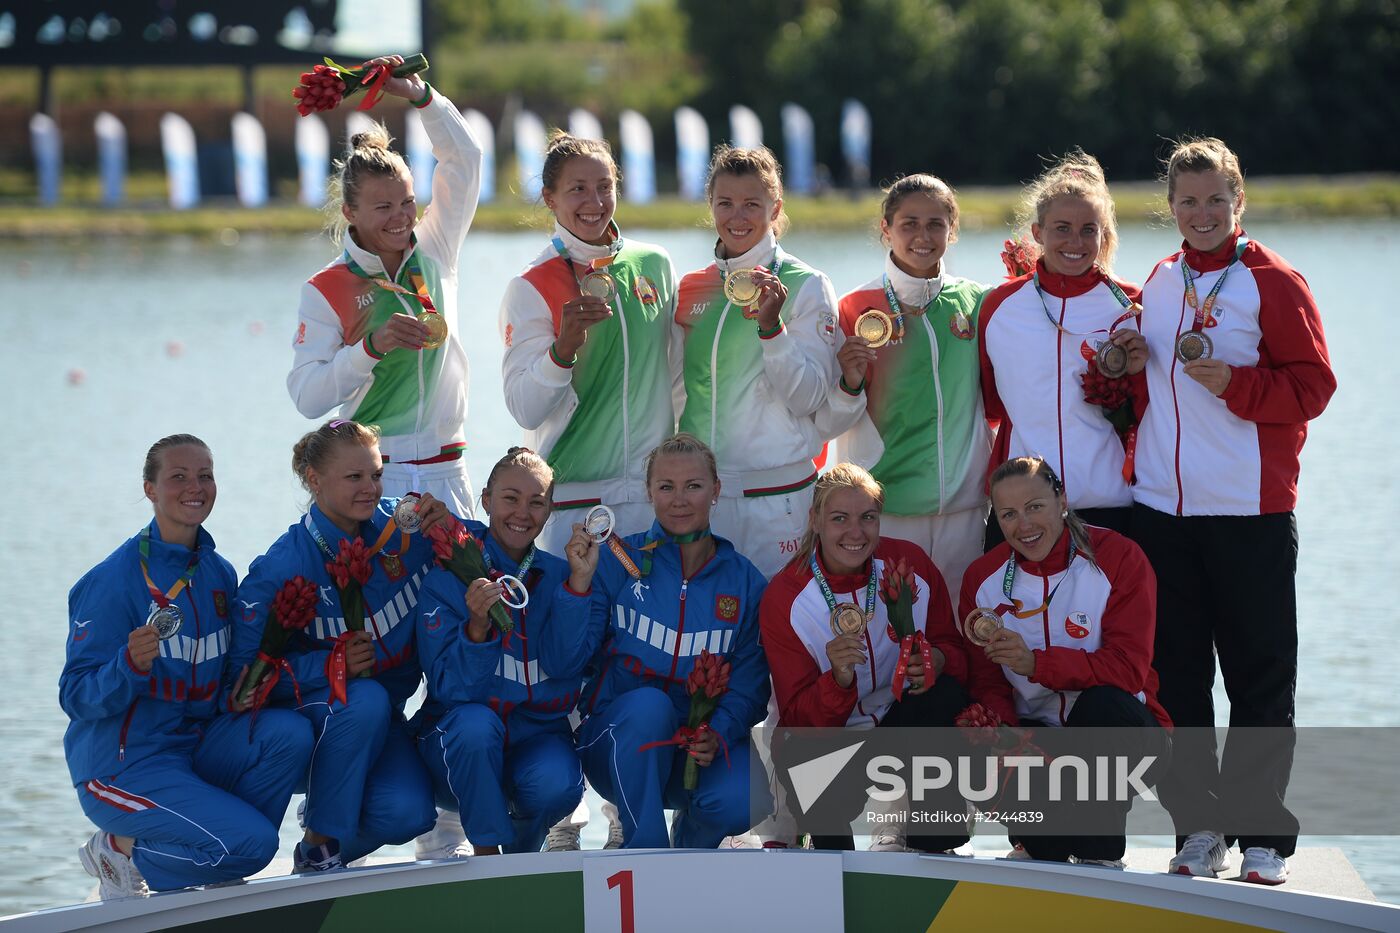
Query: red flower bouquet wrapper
{"x":292,"y":610}
{"x":1115,"y":398}
{"x":464,"y":555}
{"x":899,"y":591}
{"x":707,"y":683}
{"x":326,"y":85}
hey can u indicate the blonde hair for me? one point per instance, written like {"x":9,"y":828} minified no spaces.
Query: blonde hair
{"x":154,"y":456}
{"x":683,"y":443}
{"x":529,"y":461}
{"x":1076,"y":175}
{"x":368,"y":156}
{"x":842,"y":476}
{"x":1205,"y":154}
{"x":316,"y":447}
{"x":562,"y":147}
{"x":922,"y":183}
{"x":1039,"y":466}
{"x":759,"y":162}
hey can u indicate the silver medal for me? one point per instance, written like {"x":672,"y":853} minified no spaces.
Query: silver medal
{"x":405,"y":516}
{"x":599,"y":522}
{"x":513,"y":592}
{"x":166,"y":620}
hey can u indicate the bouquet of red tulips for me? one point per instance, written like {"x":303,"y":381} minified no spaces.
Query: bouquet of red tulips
{"x":708,"y":681}
{"x":1018,"y":256}
{"x":292,"y":610}
{"x":899,"y":592}
{"x":982,"y":726}
{"x":325,"y":86}
{"x":349,"y":572}
{"x":462,"y":553}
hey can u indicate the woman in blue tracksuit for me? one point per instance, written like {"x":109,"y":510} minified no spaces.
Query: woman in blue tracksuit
{"x":495,"y":728}
{"x":680,"y":591}
{"x":181,"y":796}
{"x":366,"y":786}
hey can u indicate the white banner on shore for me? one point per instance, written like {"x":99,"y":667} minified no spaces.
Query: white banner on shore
{"x":486,"y":135}
{"x":181,"y":161}
{"x":419,"y":152}
{"x":529,"y":153}
{"x":855,"y":142}
{"x":692,"y":152}
{"x":313,"y":144}
{"x":249,"y":160}
{"x":584,"y":125}
{"x":638,"y":158}
{"x":799,"y":150}
{"x":48,"y":156}
{"x":745,"y":130}
{"x":111,"y":157}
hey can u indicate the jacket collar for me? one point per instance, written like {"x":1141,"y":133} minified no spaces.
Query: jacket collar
{"x":370,"y":262}
{"x":583,"y":252}
{"x":1216,"y":259}
{"x":761,"y":254}
{"x":1068,"y":286}
{"x":162,"y":550}
{"x":846,"y":582}
{"x":912,"y":291}
{"x":1054,"y":562}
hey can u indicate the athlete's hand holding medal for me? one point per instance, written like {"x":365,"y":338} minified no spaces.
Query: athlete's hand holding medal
{"x":1214,"y":375}
{"x":1009,"y":648}
{"x":760,"y":294}
{"x":855,"y":359}
{"x":844,"y":652}
{"x":582,"y":549}
{"x":580,"y":314}
{"x":403,"y":331}
{"x":143,"y":644}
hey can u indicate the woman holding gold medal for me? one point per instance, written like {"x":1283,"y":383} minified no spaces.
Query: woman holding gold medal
{"x":832,"y":649}
{"x":1059,"y":618}
{"x":350,"y":677}
{"x":378,"y":327}
{"x":909,"y":365}
{"x":664,"y":603}
{"x":181,"y":794}
{"x":1041,"y":332}
{"x":585,"y":370}
{"x":1238,"y":367}
{"x":757,"y":332}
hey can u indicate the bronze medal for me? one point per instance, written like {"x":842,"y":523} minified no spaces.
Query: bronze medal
{"x":981,"y":625}
{"x":1112,"y":360}
{"x":598,"y":285}
{"x":166,"y":619}
{"x":1194,"y":345}
{"x":847,"y":619}
{"x":875,"y":326}
{"x":437,"y":329}
{"x":740,"y":288}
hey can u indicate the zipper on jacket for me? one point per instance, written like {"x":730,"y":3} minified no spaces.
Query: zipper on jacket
{"x":938,"y":396}
{"x":714,"y":377}
{"x":1176,"y":408}
{"x":626,"y":385}
{"x":680,"y":630}
{"x":1060,"y":407}
{"x":126,"y":724}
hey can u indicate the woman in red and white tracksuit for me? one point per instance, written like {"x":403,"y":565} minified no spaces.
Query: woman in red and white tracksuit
{"x":822,"y":678}
{"x":1076,"y":606}
{"x":1217,"y":470}
{"x":1038,"y":333}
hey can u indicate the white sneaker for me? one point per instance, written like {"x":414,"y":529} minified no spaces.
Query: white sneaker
{"x":1114,"y":863}
{"x":116,"y":874}
{"x":1202,"y":855}
{"x":742,"y":841}
{"x":563,"y":836}
{"x":890,"y":839}
{"x":614,"y":827}
{"x":445,"y":840}
{"x":1018,"y":853}
{"x":1261,"y":865}
{"x":325,"y":857}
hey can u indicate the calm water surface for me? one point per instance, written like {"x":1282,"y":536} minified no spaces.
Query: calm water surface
{"x":178,"y":335}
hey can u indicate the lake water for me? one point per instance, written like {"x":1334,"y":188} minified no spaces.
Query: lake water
{"x":180,"y":335}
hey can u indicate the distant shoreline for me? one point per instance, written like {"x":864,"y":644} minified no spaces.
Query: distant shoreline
{"x":1280,"y":198}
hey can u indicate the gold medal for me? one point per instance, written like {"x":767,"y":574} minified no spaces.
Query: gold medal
{"x":981,"y":625}
{"x":1194,"y":345}
{"x":598,"y":285}
{"x":437,"y":329}
{"x":740,"y":288}
{"x":1112,"y":360}
{"x":847,"y":619}
{"x":875,"y":326}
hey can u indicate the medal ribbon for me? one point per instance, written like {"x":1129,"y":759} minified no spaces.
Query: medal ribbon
{"x":830,"y":597}
{"x":415,"y":275}
{"x":1203,"y":311}
{"x":336,"y":671}
{"x":379,"y":542}
{"x":648,"y":549}
{"x":602,"y":262}
{"x":1130,"y":310}
{"x":164,"y":599}
{"x":898,"y":310}
{"x":1009,"y":579}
